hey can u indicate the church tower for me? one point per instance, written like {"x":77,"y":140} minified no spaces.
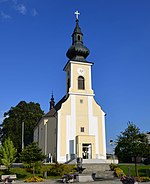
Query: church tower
{"x":78,"y":70}
{"x":75,"y":126}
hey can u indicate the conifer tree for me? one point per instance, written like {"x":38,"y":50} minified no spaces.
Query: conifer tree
{"x":32,"y":154}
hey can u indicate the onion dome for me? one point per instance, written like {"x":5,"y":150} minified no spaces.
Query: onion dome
{"x":77,"y":52}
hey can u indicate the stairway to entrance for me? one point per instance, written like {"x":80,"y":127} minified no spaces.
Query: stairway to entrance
{"x":99,"y":171}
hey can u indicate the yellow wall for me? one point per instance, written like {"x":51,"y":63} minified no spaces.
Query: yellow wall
{"x":81,"y":110}
{"x":64,"y":111}
{"x":82,"y":115}
{"x":86,"y":139}
{"x":73,"y":69}
{"x":98,"y":112}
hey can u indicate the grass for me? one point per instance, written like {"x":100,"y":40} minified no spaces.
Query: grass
{"x":142,"y":169}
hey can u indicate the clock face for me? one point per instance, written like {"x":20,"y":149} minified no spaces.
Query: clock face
{"x":80,"y":71}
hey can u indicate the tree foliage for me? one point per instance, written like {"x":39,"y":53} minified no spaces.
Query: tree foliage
{"x":32,"y":153}
{"x":29,"y":113}
{"x":8,"y":153}
{"x":131,"y":144}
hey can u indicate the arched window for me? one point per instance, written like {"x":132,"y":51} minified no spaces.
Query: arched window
{"x":81,"y":84}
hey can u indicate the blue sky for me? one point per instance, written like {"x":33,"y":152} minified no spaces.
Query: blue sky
{"x":34,"y":38}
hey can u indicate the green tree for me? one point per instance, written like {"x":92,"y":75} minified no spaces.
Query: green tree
{"x":131,"y":144}
{"x":32,"y":154}
{"x":29,"y":113}
{"x":8,"y":153}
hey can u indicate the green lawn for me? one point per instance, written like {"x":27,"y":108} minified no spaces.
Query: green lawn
{"x":142,"y":169}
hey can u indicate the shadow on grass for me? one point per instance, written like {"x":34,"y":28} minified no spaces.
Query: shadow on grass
{"x":19,"y":175}
{"x":144,"y":172}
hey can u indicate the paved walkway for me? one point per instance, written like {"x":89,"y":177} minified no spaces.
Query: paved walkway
{"x":48,"y":181}
{"x":58,"y":181}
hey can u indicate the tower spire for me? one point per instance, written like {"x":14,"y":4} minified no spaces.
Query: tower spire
{"x":52,"y":102}
{"x":77,"y":52}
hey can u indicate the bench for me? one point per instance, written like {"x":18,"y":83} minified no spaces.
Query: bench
{"x":8,"y":178}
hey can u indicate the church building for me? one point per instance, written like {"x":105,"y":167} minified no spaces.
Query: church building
{"x":75,"y":126}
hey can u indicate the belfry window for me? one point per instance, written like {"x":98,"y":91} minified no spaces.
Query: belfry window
{"x":78,"y":37}
{"x":81,"y":82}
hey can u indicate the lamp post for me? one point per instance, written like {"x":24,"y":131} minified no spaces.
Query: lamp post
{"x":22,"y":135}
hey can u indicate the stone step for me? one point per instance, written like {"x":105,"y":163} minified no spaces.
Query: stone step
{"x":94,"y":168}
{"x":88,"y":161}
{"x":105,"y":174}
{"x":94,"y":161}
{"x":74,"y":161}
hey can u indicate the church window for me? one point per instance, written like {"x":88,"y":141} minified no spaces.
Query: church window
{"x":82,"y":129}
{"x":81,"y":82}
{"x":79,"y":37}
{"x":81,"y":101}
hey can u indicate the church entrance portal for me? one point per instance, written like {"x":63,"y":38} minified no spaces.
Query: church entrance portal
{"x":86,"y":151}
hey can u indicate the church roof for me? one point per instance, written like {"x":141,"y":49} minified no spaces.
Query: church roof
{"x":52,"y":112}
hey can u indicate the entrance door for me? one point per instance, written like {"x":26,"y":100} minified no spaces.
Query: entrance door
{"x":86,"y":151}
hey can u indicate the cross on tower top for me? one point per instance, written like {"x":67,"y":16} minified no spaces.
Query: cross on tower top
{"x":77,"y":14}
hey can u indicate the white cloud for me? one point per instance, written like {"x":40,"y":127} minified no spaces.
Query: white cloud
{"x":4,"y":15}
{"x":1,"y":120}
{"x":1,"y":117}
{"x":21,"y":8}
{"x":34,"y":12}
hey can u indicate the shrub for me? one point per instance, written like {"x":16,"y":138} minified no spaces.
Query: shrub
{"x":119,"y":172}
{"x":113,"y":166}
{"x":146,"y":161}
{"x":46,"y":168}
{"x":58,"y":169}
{"x":20,"y":172}
{"x":143,"y":179}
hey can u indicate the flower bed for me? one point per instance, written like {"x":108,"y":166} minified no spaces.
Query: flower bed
{"x":34,"y":179}
{"x":127,"y":180}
